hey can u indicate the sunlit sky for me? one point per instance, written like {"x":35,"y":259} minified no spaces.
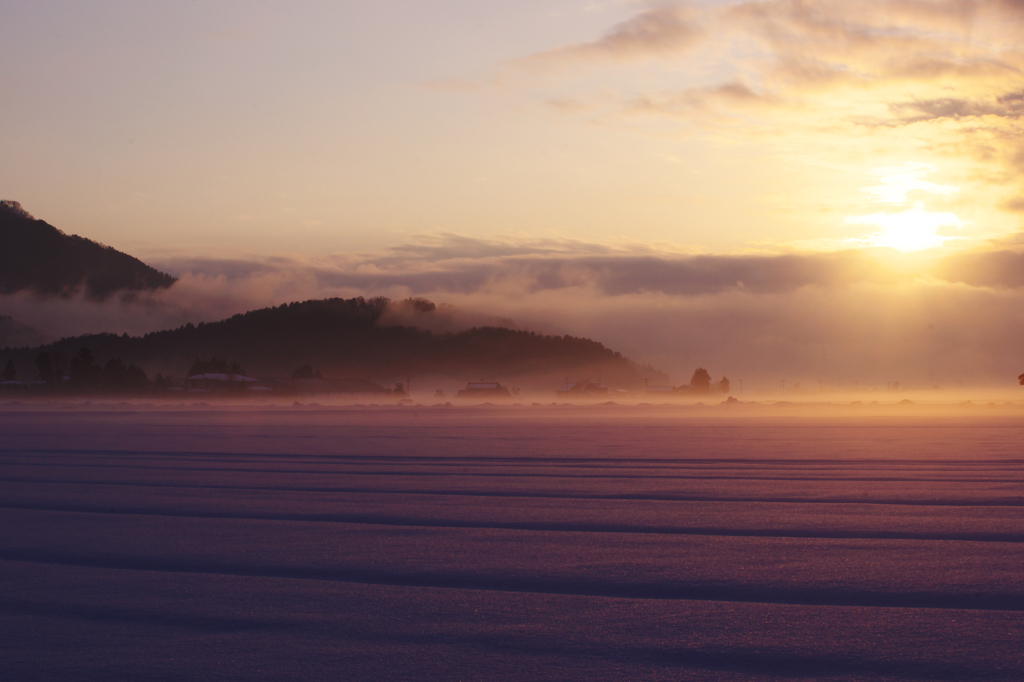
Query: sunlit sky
{"x":258,"y":128}
{"x":815,"y":190}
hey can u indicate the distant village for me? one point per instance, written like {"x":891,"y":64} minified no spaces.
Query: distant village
{"x":83,"y":375}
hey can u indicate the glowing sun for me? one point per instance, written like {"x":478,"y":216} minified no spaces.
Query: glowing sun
{"x":914,"y":228}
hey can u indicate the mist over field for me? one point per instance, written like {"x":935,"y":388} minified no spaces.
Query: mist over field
{"x":838,"y":319}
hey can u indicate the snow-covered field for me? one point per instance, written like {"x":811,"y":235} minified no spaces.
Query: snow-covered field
{"x":612,"y":542}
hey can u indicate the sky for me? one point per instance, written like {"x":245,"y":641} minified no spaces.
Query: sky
{"x":784,"y":189}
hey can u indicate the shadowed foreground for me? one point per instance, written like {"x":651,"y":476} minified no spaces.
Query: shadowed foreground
{"x":179,"y":544}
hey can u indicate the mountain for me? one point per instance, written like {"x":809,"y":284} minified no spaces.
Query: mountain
{"x":345,"y":338}
{"x":39,"y":257}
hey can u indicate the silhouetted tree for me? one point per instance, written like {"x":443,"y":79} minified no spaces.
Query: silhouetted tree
{"x":58,"y":366}
{"x":723,"y":385}
{"x":136,"y":380}
{"x":44,"y":365}
{"x":50,"y":367}
{"x":117,"y":378}
{"x":10,"y":371}
{"x":306,"y":372}
{"x":701,"y":381}
{"x":159,"y":382}
{"x":399,"y":389}
{"x":115,"y":374}
{"x":1020,"y":379}
{"x":85,"y":373}
{"x":421,"y":305}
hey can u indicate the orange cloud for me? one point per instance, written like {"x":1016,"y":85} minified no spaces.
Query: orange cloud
{"x":818,"y":81}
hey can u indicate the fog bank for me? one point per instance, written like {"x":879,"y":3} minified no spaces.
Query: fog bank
{"x":856,"y":317}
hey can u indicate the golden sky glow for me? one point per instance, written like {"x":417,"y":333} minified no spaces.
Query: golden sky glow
{"x":315,"y":127}
{"x":908,"y":228}
{"x":808,"y":187}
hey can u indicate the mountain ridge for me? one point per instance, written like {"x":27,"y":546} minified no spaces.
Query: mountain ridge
{"x":41,"y":258}
{"x":374,"y":339}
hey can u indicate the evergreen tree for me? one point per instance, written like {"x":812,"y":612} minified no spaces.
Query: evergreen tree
{"x":701,"y":380}
{"x":85,"y":373}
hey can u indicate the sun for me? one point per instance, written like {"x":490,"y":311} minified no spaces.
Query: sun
{"x":914,"y":229}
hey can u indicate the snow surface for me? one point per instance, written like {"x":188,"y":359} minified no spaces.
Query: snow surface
{"x":196,"y":543}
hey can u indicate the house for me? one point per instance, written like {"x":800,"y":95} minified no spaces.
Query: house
{"x":484,"y":389}
{"x":209,"y":382}
{"x":582,"y":388}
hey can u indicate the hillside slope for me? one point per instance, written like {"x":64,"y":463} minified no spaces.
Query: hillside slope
{"x":39,"y":257}
{"x":343,"y":337}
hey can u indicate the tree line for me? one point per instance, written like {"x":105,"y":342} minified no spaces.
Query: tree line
{"x":346,"y":337}
{"x":83,"y":374}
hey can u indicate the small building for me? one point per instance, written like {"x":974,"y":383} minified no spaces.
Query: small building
{"x":484,"y":389}
{"x":582,"y":388}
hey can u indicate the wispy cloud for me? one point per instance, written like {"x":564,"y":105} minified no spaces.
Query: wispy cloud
{"x":654,"y":32}
{"x":821,"y":81}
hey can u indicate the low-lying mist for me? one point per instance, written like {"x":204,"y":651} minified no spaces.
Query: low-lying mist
{"x":822,"y":322}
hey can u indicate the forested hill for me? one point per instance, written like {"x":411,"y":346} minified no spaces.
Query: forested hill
{"x":36,"y":255}
{"x":342,"y":337}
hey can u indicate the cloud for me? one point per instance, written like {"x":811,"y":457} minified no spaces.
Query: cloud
{"x":1005,"y":106}
{"x":1015,"y":204}
{"x":462,"y":265}
{"x":655,"y":32}
{"x":859,"y":315}
{"x":819,"y":82}
{"x":1002,"y":269}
